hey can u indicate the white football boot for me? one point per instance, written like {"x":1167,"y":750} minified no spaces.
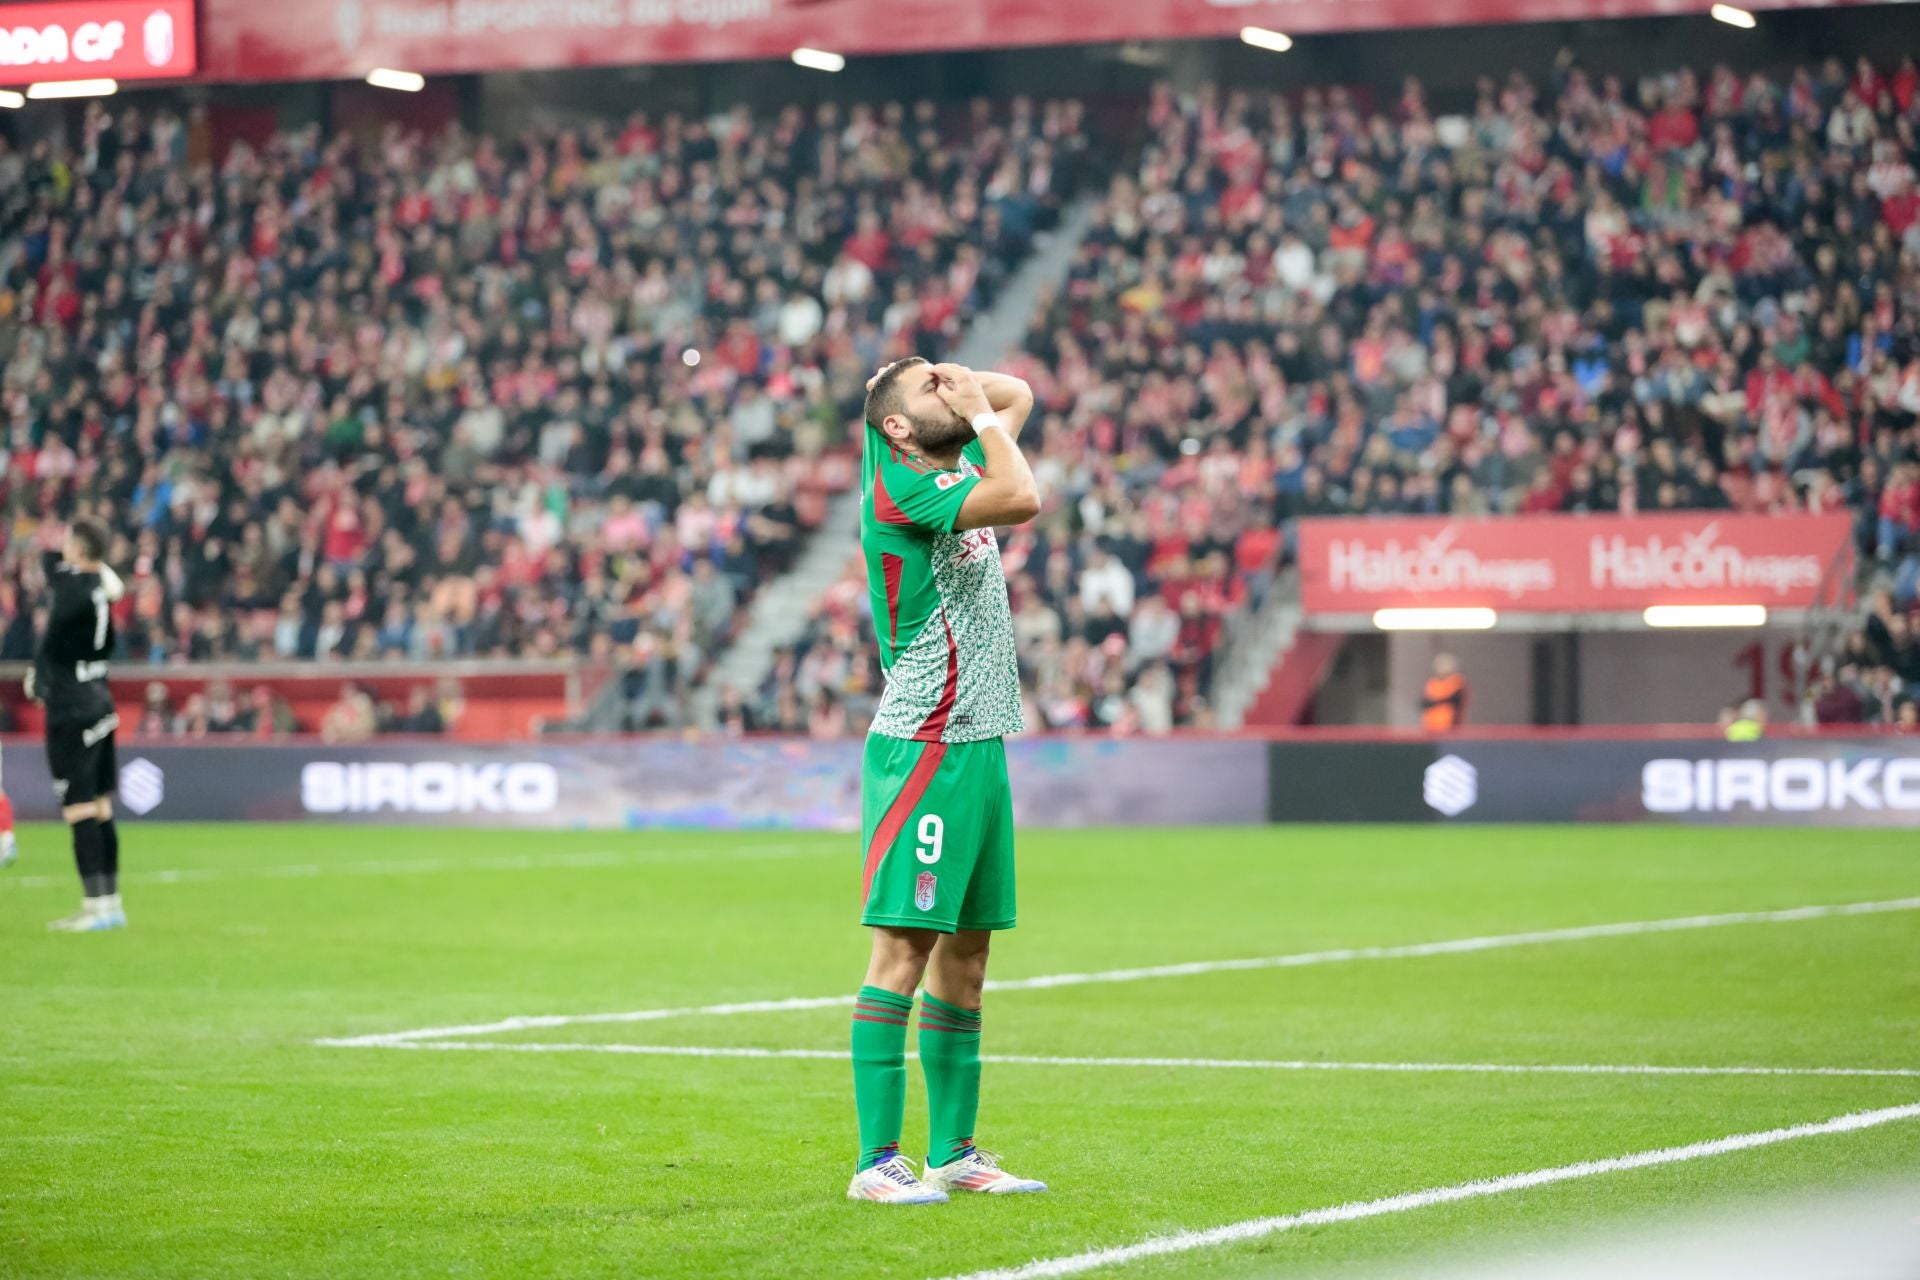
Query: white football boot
{"x":979,"y":1171}
{"x":892,"y":1182}
{"x":95,"y":916}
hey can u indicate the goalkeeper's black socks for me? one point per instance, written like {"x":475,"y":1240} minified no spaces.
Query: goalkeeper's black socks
{"x":90,"y":857}
{"x":110,"y":848}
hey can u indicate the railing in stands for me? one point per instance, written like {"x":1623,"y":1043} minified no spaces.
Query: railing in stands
{"x":1824,"y":626}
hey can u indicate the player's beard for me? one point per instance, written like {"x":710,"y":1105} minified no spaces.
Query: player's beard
{"x":938,"y":436}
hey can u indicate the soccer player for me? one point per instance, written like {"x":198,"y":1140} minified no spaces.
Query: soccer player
{"x":70,"y":675}
{"x":942,"y":469}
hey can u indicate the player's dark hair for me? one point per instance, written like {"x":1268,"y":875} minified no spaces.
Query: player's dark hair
{"x":885,"y":396}
{"x":92,"y":536}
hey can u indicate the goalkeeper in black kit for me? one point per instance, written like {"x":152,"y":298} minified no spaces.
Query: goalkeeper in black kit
{"x":70,"y":676}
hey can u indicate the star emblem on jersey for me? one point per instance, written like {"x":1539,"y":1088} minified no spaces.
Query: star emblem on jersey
{"x":923,"y":887}
{"x":143,"y":785}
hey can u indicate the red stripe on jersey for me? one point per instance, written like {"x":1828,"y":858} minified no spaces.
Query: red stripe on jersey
{"x":900,"y":810}
{"x":891,"y":567}
{"x":885,"y":509}
{"x":936,"y":723}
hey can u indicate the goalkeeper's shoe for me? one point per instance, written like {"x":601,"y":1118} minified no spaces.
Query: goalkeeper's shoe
{"x":892,"y":1182}
{"x":90,"y":920}
{"x":979,"y":1171}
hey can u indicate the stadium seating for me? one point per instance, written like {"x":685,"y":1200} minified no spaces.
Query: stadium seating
{"x":576,"y":391}
{"x":423,"y":398}
{"x":1693,"y":291}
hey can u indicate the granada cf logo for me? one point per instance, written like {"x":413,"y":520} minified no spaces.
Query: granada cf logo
{"x":923,"y":886}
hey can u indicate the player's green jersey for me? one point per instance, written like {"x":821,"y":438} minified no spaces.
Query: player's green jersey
{"x":939,"y":601}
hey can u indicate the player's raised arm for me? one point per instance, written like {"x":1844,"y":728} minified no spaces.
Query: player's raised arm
{"x":1006,"y":493}
{"x":1009,"y":397}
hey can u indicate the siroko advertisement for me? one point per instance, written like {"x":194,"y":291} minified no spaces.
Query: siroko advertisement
{"x":323,"y":39}
{"x":1071,"y":782}
{"x":1798,"y":781}
{"x":97,"y":39}
{"x":761,"y":783}
{"x":1565,"y":564}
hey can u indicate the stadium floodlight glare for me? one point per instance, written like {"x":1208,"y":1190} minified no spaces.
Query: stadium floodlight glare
{"x":1435,"y":619}
{"x":12,"y":101}
{"x":1733,"y":16}
{"x":73,"y":89}
{"x":1261,"y":38}
{"x":404,"y":81}
{"x":1706,"y":615}
{"x":818,"y":60}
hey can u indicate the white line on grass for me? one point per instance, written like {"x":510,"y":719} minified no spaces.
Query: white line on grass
{"x":427,"y":866}
{"x":1209,"y":1064}
{"x":1257,"y":1228}
{"x":1454,"y":946}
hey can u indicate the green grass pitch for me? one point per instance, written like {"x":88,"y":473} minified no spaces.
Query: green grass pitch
{"x":164,"y":1110}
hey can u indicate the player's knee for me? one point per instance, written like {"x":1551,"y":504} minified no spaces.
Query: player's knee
{"x":899,"y":958}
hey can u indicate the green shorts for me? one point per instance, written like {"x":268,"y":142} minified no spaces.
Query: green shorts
{"x":937,"y":822}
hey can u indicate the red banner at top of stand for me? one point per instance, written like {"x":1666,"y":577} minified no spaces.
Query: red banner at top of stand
{"x":330,"y":39}
{"x":97,"y":40}
{"x":1567,"y":564}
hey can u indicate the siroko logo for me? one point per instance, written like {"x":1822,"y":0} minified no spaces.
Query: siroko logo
{"x":434,"y":786}
{"x":1452,"y":786}
{"x":1793,"y":784}
{"x":143,"y":786}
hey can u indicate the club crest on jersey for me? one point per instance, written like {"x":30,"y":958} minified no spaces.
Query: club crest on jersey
{"x":923,"y":886}
{"x":947,"y":480}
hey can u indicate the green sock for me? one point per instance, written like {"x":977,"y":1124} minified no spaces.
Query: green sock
{"x":880,"y":1071}
{"x":950,"y":1055}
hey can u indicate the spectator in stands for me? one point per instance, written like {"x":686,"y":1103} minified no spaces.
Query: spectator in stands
{"x":156,"y":712}
{"x":1443,"y":699}
{"x":422,"y":715}
{"x":354,"y":718}
{"x":1751,"y":724}
{"x":272,"y":717}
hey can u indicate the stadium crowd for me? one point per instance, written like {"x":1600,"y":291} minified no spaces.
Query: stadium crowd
{"x":574,"y":391}
{"x":426,"y":398}
{"x":1694,"y":290}
{"x":1874,"y":678}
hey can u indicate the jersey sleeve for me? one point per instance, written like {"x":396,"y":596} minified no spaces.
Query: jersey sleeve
{"x":909,"y":494}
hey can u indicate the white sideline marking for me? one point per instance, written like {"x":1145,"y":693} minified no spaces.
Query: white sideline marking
{"x":1228,"y":1064}
{"x":1454,"y":946}
{"x":1257,"y":1228}
{"x":426,"y":866}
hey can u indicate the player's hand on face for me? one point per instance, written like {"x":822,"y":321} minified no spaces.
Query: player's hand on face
{"x":955,"y":384}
